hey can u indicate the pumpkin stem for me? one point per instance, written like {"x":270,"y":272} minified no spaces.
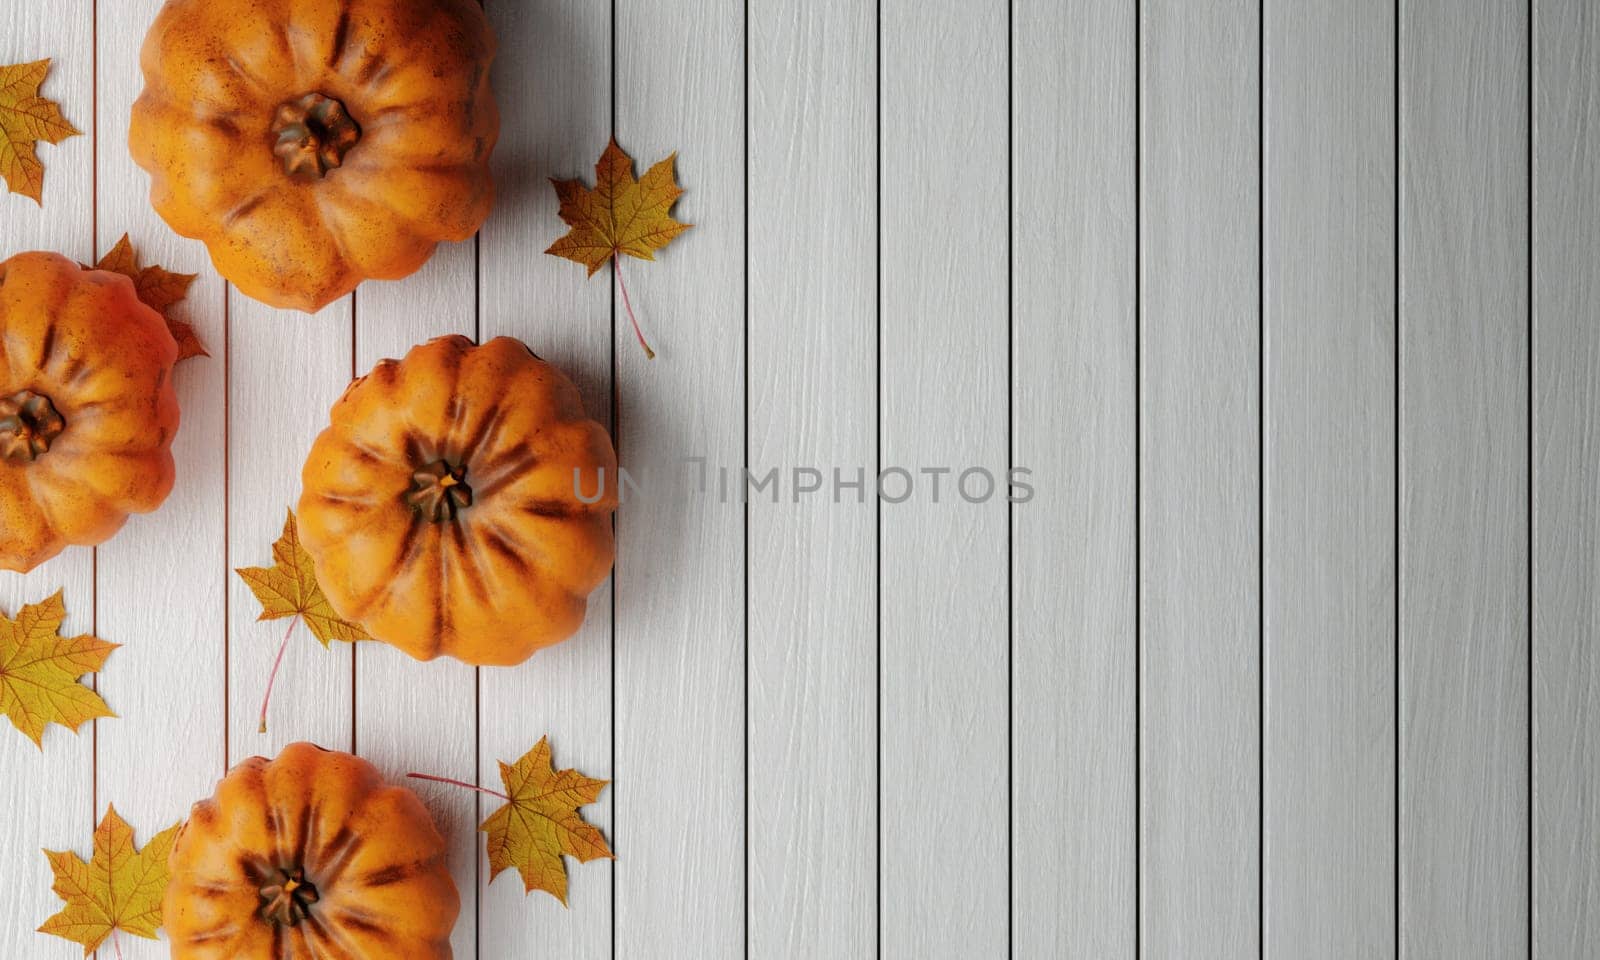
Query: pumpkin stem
{"x":313,"y":135}
{"x":288,"y":900}
{"x":439,"y":491}
{"x":28,"y":424}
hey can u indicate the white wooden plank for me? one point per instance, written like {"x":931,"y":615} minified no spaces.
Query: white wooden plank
{"x":1566,"y":504}
{"x":162,"y":580}
{"x":48,"y":795}
{"x":1464,"y":736}
{"x":1199,"y":480}
{"x":1073,"y":715}
{"x":412,"y":716}
{"x":553,"y":81}
{"x":943,"y":323}
{"x":1329,"y":485}
{"x":285,"y":370}
{"x":813,"y":382}
{"x":680,"y":602}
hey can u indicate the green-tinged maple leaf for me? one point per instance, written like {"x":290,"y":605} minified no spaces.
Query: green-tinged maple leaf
{"x":39,"y":671}
{"x":120,"y":888}
{"x":289,"y":588}
{"x":27,"y":119}
{"x":541,"y":822}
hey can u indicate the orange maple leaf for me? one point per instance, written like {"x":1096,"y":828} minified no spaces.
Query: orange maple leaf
{"x":159,"y":289}
{"x":621,"y":214}
{"x":26,"y":119}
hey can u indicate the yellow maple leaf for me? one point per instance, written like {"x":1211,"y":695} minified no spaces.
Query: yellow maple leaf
{"x":120,"y":888}
{"x":39,"y":671}
{"x":621,"y":214}
{"x":159,"y":289}
{"x":540,"y":822}
{"x":26,"y":119}
{"x":289,"y":588}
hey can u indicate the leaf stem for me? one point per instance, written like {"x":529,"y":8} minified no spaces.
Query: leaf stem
{"x":116,"y":942}
{"x":459,"y":783}
{"x":616,"y":259}
{"x":273,"y":677}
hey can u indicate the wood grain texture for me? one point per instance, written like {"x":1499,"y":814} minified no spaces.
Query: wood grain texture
{"x":1199,"y":479}
{"x":1141,"y":190}
{"x":286,"y":369}
{"x":1329,"y":485}
{"x":1073,"y":716}
{"x":944,"y":638}
{"x":412,"y":716}
{"x":1464,"y":855}
{"x":161,"y":581}
{"x":553,"y":81}
{"x":1566,"y":495}
{"x":680,"y":605}
{"x":48,"y":795}
{"x":812,"y":567}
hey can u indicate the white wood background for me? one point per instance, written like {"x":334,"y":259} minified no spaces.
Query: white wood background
{"x":1291,"y":307}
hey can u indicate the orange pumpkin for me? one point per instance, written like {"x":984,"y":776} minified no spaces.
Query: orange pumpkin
{"x":309,"y":857}
{"x":87,"y":408}
{"x":314,"y":143}
{"x":443,"y":508}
